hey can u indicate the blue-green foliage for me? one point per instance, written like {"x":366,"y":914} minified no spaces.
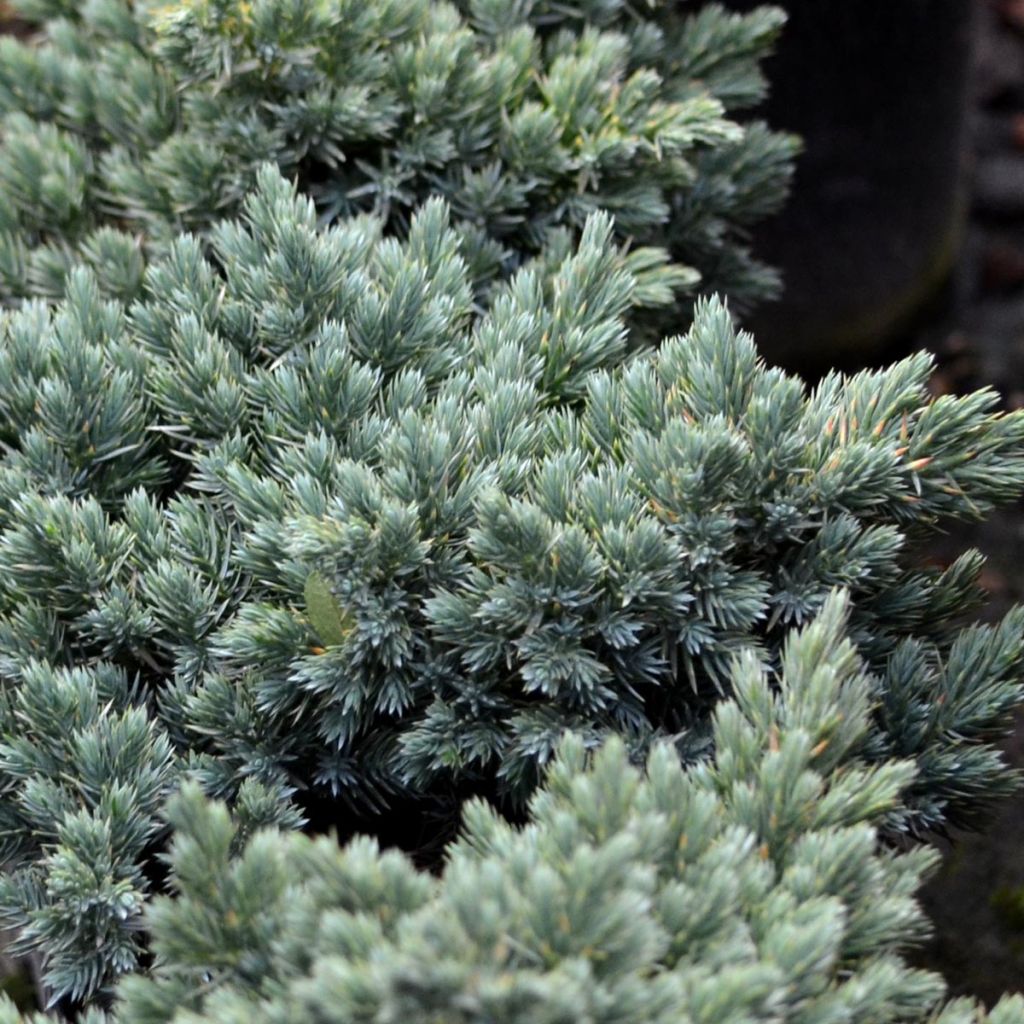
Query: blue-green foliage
{"x":747,"y":890}
{"x":133,"y":121}
{"x":368,"y":487}
{"x":317,"y":525}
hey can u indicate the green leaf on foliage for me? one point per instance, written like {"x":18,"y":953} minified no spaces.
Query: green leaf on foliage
{"x":331,"y":623}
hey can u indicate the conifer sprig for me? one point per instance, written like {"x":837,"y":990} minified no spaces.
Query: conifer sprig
{"x":344,"y":534}
{"x":752,"y":889}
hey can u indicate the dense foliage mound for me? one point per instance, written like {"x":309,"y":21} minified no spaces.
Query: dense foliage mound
{"x":339,"y":481}
{"x":131,"y":121}
{"x":308,"y":524}
{"x":748,"y":890}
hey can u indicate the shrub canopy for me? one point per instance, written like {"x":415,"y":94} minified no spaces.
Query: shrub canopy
{"x":131,"y":122}
{"x":337,"y":472}
{"x":307,"y":524}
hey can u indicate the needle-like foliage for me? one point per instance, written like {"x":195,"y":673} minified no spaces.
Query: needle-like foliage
{"x":309,"y":524}
{"x":748,"y":890}
{"x":128,"y":122}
